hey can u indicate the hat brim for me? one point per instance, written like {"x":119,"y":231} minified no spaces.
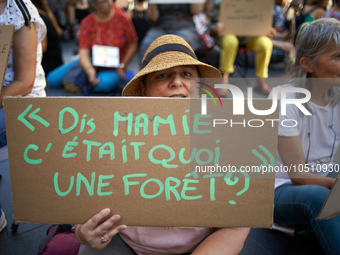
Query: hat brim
{"x":164,"y":61}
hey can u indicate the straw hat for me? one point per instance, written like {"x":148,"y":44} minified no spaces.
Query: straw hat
{"x":165,"y":52}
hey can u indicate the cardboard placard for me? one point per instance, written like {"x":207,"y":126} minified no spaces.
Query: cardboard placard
{"x":122,"y":3}
{"x":331,"y":206}
{"x":176,"y":1}
{"x":71,"y":157}
{"x":105,"y":56}
{"x":246,"y":17}
{"x":6,"y":38}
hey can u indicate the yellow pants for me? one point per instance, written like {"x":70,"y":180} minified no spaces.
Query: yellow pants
{"x":261,"y":45}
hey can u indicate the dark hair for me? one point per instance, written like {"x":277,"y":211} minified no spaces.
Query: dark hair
{"x":314,"y":2}
{"x":42,"y":5}
{"x":278,"y":2}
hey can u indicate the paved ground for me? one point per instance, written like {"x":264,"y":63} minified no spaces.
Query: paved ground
{"x":26,"y":240}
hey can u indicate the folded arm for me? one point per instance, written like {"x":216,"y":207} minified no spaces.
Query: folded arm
{"x":227,"y":241}
{"x":291,"y":153}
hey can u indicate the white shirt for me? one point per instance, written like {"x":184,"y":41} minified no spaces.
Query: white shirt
{"x":320,"y":142}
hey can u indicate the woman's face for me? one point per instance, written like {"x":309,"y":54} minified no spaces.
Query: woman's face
{"x":103,"y":7}
{"x":172,"y":82}
{"x":324,"y":4}
{"x":328,"y":64}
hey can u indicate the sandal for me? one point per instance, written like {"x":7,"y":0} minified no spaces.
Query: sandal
{"x":223,"y":92}
{"x":263,"y":87}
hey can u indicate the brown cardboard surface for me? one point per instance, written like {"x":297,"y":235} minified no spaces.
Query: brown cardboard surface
{"x":246,"y":17}
{"x":122,"y":3}
{"x":70,"y":158}
{"x":331,"y":206}
{"x":6,"y":38}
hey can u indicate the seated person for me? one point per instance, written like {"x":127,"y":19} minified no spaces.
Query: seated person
{"x":334,"y":11}
{"x":172,"y":19}
{"x":282,"y":39}
{"x":312,"y":10}
{"x":261,"y":45}
{"x":209,"y":52}
{"x":310,"y":145}
{"x":140,"y":19}
{"x":107,"y":25}
{"x":51,"y":44}
{"x":161,"y":76}
{"x":24,"y":75}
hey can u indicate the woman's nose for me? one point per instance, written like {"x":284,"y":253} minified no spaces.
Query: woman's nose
{"x":176,"y":81}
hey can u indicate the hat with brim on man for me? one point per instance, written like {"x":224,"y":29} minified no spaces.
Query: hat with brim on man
{"x":166,"y":52}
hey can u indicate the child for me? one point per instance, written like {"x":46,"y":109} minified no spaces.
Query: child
{"x":168,"y":66}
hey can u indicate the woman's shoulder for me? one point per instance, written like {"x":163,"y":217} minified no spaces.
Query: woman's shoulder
{"x":120,"y":13}
{"x":314,"y":11}
{"x":88,"y":20}
{"x":16,"y":12}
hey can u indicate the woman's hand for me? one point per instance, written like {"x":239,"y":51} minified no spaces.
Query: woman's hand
{"x":92,"y":75}
{"x":271,"y":32}
{"x":85,"y":62}
{"x":219,"y":28}
{"x":121,"y":73}
{"x":93,"y":232}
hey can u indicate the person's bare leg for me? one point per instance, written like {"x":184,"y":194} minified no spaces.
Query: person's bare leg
{"x":262,"y":86}
{"x":225,"y":80}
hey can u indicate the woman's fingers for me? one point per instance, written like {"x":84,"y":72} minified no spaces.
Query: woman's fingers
{"x":96,"y":234}
{"x":108,"y":229}
{"x":114,"y":231}
{"x":108,"y":224}
{"x":92,"y":223}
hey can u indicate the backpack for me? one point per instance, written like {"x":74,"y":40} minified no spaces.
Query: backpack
{"x":60,"y":239}
{"x":24,"y":12}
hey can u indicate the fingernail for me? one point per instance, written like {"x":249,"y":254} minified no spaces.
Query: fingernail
{"x":116,"y":217}
{"x":106,"y":211}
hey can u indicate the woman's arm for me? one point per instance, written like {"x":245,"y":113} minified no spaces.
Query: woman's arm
{"x":291,"y":153}
{"x":129,"y":54}
{"x":94,"y":229}
{"x":153,"y":13}
{"x":317,"y":14}
{"x":24,"y":59}
{"x":227,"y":241}
{"x":85,"y":62}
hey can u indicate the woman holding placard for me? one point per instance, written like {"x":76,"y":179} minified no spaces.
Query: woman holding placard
{"x":307,"y":143}
{"x":168,"y":67}
{"x":24,"y":74}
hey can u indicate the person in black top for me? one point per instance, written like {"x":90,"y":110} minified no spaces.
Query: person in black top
{"x":52,"y":55}
{"x":140,"y":20}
